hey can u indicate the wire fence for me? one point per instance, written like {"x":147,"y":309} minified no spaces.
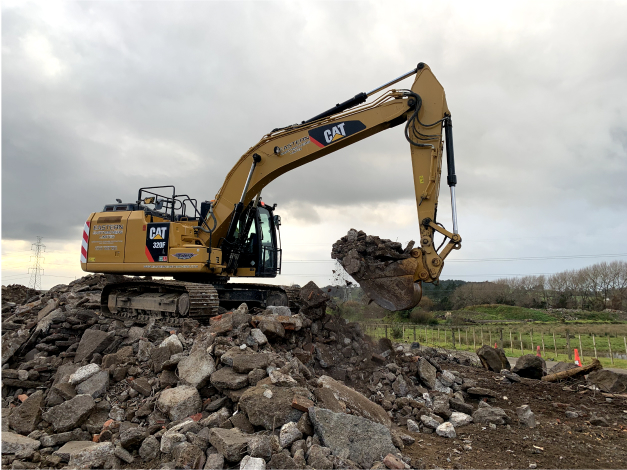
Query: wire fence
{"x":552,"y":345}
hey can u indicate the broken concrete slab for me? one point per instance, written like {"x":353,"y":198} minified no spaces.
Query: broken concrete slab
{"x":180,"y":402}
{"x":92,"y":342}
{"x":231,"y":443}
{"x":70,"y":414}
{"x":21,"y":446}
{"x":354,"y":400}
{"x":24,"y":418}
{"x":271,"y":406}
{"x":337,"y":431}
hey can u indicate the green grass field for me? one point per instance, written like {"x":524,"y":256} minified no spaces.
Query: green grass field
{"x":470,"y":338}
{"x":507,"y":313}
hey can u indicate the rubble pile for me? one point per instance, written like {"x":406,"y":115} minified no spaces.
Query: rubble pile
{"x":261,"y":387}
{"x":255,"y":389}
{"x":18,"y":294}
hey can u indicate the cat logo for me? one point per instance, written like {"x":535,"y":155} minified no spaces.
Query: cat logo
{"x":157,"y":241}
{"x":335,"y":133}
{"x":325,"y":135}
{"x":157,"y":233}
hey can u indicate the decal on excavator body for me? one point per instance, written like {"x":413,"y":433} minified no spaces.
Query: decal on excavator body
{"x":157,"y":235}
{"x":325,"y":135}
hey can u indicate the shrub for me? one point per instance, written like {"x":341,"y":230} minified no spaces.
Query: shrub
{"x":397,"y":331}
{"x":426,"y":303}
{"x":421,"y":317}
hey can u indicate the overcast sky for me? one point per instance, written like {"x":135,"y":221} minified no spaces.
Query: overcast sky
{"x":101,"y":98}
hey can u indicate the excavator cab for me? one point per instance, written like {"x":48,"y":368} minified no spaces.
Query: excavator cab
{"x":254,"y":243}
{"x":261,"y":243}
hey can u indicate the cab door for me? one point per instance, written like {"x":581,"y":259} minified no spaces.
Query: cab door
{"x":269,"y":253}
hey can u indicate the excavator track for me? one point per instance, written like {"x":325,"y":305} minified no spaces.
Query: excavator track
{"x":172,"y":302}
{"x":143,"y":299}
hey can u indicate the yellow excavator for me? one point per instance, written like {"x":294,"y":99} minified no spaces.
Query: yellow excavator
{"x":167,"y":234}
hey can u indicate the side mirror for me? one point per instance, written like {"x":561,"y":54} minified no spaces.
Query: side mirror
{"x":277,"y":220}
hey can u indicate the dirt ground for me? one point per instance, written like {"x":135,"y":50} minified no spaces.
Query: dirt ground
{"x":556,"y":442}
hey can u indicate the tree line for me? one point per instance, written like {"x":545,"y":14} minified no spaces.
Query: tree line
{"x":597,"y":287}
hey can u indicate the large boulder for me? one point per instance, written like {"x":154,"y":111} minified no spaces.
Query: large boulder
{"x":70,"y":414}
{"x":352,"y":437}
{"x":493,"y":359}
{"x":608,"y":381}
{"x":358,"y":404}
{"x":426,"y":373}
{"x":180,"y":402}
{"x":24,"y":418}
{"x":530,"y":366}
{"x":270,"y":406}
{"x":93,"y":341}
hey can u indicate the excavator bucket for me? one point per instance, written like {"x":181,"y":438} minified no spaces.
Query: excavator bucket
{"x":394,"y":289}
{"x":383,"y":269}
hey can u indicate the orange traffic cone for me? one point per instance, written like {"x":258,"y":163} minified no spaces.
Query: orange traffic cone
{"x":538,"y":352}
{"x":496,"y":346}
{"x":577,"y":361}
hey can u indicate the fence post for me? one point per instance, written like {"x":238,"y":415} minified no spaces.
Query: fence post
{"x":511,"y":343}
{"x":459,"y":336}
{"x":453,"y":338}
{"x":501,"y":338}
{"x":555,"y":345}
{"x":426,"y":342}
{"x":386,"y":330}
{"x":474,"y":341}
{"x":438,"y":335}
{"x":414,"y":333}
{"x":403,"y":326}
{"x":522,"y":351}
{"x":481,"y":336}
{"x":610,"y":346}
{"x":469,"y":344}
{"x":580,"y":350}
{"x":594,"y":343}
{"x":568,"y":345}
{"x":625,"y":341}
{"x":542,"y":340}
{"x":531,"y":336}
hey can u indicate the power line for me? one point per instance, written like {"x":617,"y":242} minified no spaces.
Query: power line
{"x":36,"y":269}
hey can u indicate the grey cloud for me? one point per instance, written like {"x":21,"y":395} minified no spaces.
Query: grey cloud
{"x":159,"y":93}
